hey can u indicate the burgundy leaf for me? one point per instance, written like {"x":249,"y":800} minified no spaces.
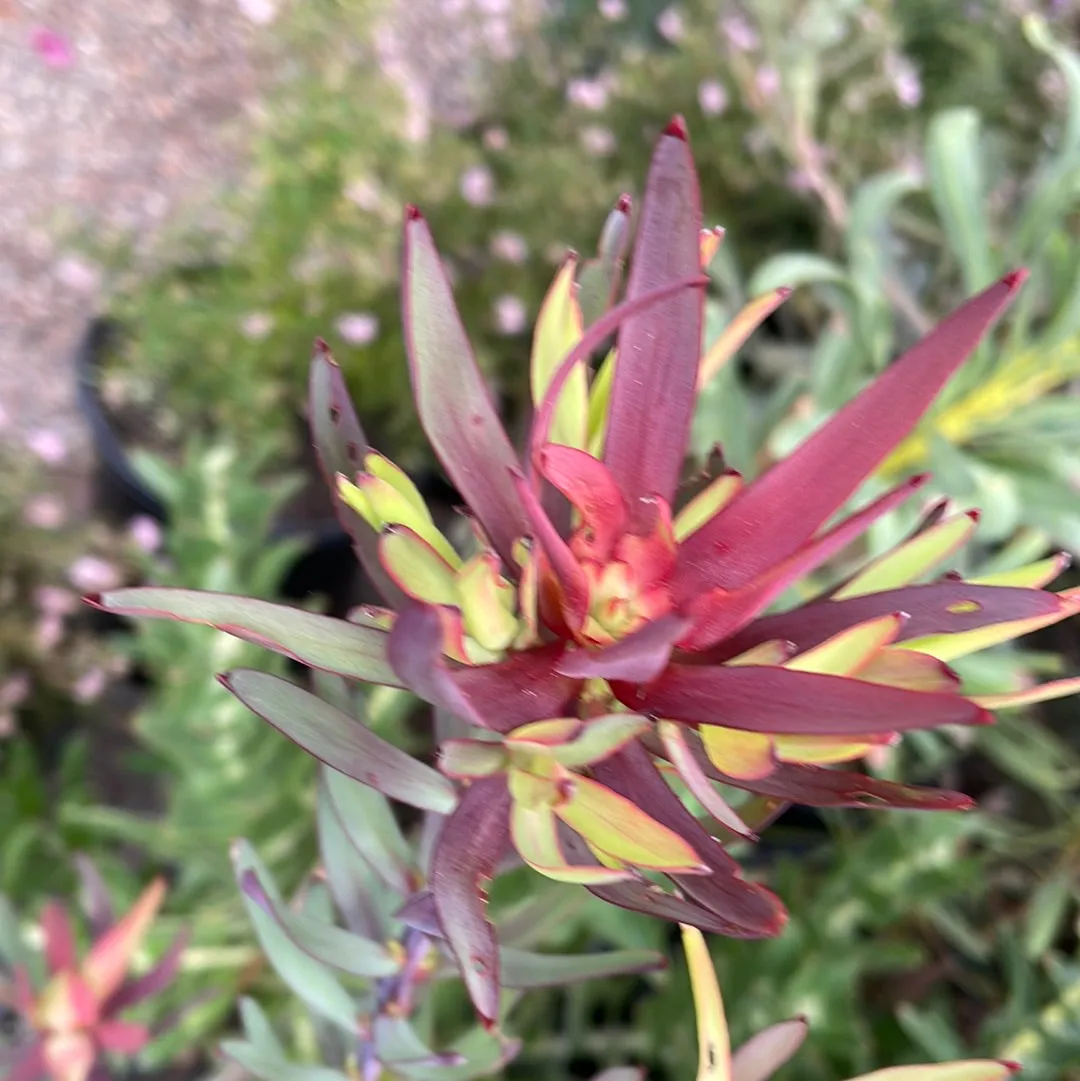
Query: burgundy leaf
{"x":751,"y":910}
{"x":720,"y":613}
{"x":59,"y":937}
{"x":817,"y":786}
{"x":655,"y":384}
{"x":29,"y":1064}
{"x":452,"y":400}
{"x":419,"y":912}
{"x":340,"y":446}
{"x":640,"y":656}
{"x":153,"y":982}
{"x":784,"y":701}
{"x":773,"y":517}
{"x":470,"y":846}
{"x":938,"y":608}
{"x":96,"y":901}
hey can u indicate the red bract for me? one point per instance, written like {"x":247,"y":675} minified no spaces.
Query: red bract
{"x":607,"y":637}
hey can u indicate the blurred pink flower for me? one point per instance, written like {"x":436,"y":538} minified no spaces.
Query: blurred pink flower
{"x":260,"y":12}
{"x":597,"y":141}
{"x":670,"y":24}
{"x":89,"y":685}
{"x":477,"y":185}
{"x":767,"y":81}
{"x":49,"y":632}
{"x":906,"y":84}
{"x":510,"y":247}
{"x":496,"y":139}
{"x":358,"y":328}
{"x":145,"y":533}
{"x":712,"y":97}
{"x":48,"y":445}
{"x":78,"y":274}
{"x":7,"y":725}
{"x":14,"y":690}
{"x":510,"y":314}
{"x":255,"y":326}
{"x":55,"y":600}
{"x":44,"y":512}
{"x":740,"y":35}
{"x":53,"y":48}
{"x":612,"y":10}
{"x":92,"y":574}
{"x":591,"y":94}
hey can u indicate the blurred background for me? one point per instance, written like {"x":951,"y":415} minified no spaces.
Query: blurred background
{"x":192,"y":190}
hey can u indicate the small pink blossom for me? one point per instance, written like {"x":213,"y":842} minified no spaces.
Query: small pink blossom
{"x":767,"y":81}
{"x":54,"y":49}
{"x":49,"y":632}
{"x":14,"y":690}
{"x":712,"y":97}
{"x":510,"y":314}
{"x":260,"y":12}
{"x":670,"y":24}
{"x":612,"y":10}
{"x":597,"y":141}
{"x":256,"y":326}
{"x":741,"y":36}
{"x":50,"y":446}
{"x":92,"y":574}
{"x":510,"y":247}
{"x":7,"y":725}
{"x":89,"y":686}
{"x":477,"y":185}
{"x":496,"y":139}
{"x":55,"y":601}
{"x":78,"y":274}
{"x":906,"y":84}
{"x":146,"y":533}
{"x":358,"y":328}
{"x":591,"y":94}
{"x":44,"y":512}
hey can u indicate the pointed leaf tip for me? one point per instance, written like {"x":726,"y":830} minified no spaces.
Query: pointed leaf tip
{"x":677,"y":129}
{"x":412,"y":212}
{"x":624,"y":204}
{"x":1015,"y":278}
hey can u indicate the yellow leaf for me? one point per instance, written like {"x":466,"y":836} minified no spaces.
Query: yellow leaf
{"x":734,"y":335}
{"x":706,"y":504}
{"x":416,"y":567}
{"x":820,"y":750}
{"x":486,"y":601}
{"x":745,"y":755}
{"x":714,"y":1042}
{"x":849,"y":650}
{"x":599,"y":400}
{"x":1031,"y":576}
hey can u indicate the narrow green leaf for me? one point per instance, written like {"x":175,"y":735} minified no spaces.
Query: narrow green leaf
{"x":341,"y":741}
{"x":258,"y":1029}
{"x":794,"y":269}
{"x":269,"y":1067}
{"x":349,"y":649}
{"x":526,"y":970}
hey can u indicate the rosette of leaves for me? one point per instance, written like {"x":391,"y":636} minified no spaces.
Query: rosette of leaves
{"x":361,"y":948}
{"x":598,"y":637}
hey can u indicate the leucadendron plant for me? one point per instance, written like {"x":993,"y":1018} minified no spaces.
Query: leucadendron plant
{"x":69,"y":1013}
{"x":608,"y":650}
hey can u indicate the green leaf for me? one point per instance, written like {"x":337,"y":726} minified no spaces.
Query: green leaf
{"x":258,"y":1029}
{"x":341,"y":741}
{"x":1045,"y":914}
{"x":793,"y":269}
{"x":349,"y":649}
{"x":310,"y":981}
{"x":321,"y":940}
{"x":370,"y":825}
{"x":958,"y":191}
{"x":12,"y":948}
{"x":269,"y":1067}
{"x":525,"y":970}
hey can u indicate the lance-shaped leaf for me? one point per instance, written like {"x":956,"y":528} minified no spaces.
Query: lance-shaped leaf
{"x":452,"y":400}
{"x":773,"y":517}
{"x":942,"y":608}
{"x":780,"y":701}
{"x":340,"y":741}
{"x":269,"y":1065}
{"x":58,"y":936}
{"x":525,"y":971}
{"x":815,"y":786}
{"x":416,"y":568}
{"x":323,"y":941}
{"x":535,"y":833}
{"x":720,"y":612}
{"x":592,"y":490}
{"x":640,"y":656}
{"x":598,"y":738}
{"x":653,"y":394}
{"x":912,"y":559}
{"x":334,"y":645}
{"x":340,"y":446}
{"x":1032,"y":575}
{"x":469,"y":849}
{"x":371,"y":828}
{"x":714,"y":1041}
{"x":763,"y":1054}
{"x":132,"y":992}
{"x":398,"y":1046}
{"x":559,"y":328}
{"x":732,"y":338}
{"x":480,"y":1053}
{"x":110,"y":957}
{"x":979,"y":1070}
{"x":599,"y":278}
{"x":750,"y":910}
{"x":95,"y":896}
{"x":308,"y":978}
{"x":1029,"y":696}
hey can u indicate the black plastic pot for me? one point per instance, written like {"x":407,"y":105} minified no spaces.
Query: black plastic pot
{"x":327,"y":565}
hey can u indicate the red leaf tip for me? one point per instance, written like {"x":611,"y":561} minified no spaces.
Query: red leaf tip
{"x":783,"y":291}
{"x":919,"y":479}
{"x":624,"y":204}
{"x":412,"y":212}
{"x":1015,"y":278}
{"x":223,"y":679}
{"x":677,"y":129}
{"x":974,"y":514}
{"x":94,"y":600}
{"x":1011,"y":1066}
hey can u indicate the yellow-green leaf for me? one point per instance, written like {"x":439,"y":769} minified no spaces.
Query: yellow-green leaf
{"x":1031,"y":576}
{"x":1029,"y":696}
{"x":416,"y":567}
{"x":734,"y":335}
{"x":599,"y":400}
{"x":472,"y":758}
{"x":820,"y":750}
{"x":977,"y":1070}
{"x":601,"y":737}
{"x":535,"y":835}
{"x":714,"y":1041}
{"x":745,"y":755}
{"x":706,"y":504}
{"x":486,"y":601}
{"x":849,"y":650}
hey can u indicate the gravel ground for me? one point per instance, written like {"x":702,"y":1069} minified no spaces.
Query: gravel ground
{"x":137,"y":109}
